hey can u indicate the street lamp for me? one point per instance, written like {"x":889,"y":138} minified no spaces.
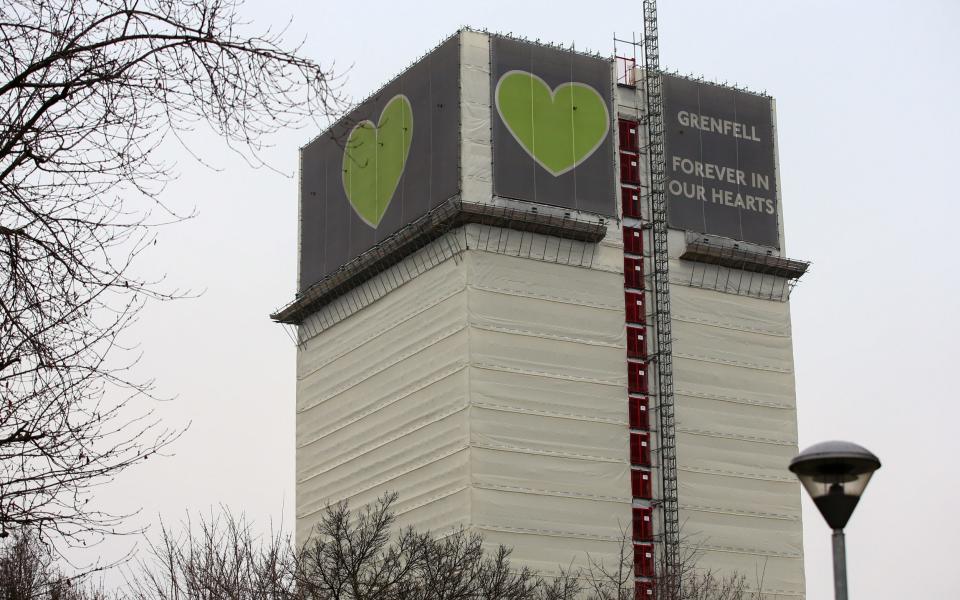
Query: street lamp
{"x":835,"y":475}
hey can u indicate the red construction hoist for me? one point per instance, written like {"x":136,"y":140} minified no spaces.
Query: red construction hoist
{"x":638,"y":359}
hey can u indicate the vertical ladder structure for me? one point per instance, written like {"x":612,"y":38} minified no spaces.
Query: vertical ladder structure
{"x":661,"y":288}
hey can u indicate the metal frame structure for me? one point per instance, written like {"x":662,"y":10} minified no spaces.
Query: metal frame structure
{"x":504,"y":226}
{"x":667,"y":442}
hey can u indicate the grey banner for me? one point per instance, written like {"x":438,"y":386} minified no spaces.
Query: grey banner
{"x":720,"y":162}
{"x":552,"y":142}
{"x":384,"y":165}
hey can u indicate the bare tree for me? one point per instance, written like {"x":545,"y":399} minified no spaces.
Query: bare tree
{"x":28,"y":572}
{"x":351,"y":556}
{"x":357,"y":555}
{"x":216,"y":557}
{"x":688,"y":580}
{"x":89,"y":89}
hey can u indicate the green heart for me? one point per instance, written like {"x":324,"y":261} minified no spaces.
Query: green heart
{"x":559,"y":128}
{"x":374,"y":157}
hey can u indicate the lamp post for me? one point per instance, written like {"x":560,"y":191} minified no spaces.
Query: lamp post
{"x":835,"y":475}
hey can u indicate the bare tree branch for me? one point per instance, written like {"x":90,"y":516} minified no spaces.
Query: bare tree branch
{"x":89,"y":89}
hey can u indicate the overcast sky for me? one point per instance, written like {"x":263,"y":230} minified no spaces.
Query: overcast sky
{"x":867,"y":105}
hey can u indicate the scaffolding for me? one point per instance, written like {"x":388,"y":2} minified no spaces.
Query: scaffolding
{"x":732,"y":267}
{"x":500,"y":225}
{"x":667,"y":445}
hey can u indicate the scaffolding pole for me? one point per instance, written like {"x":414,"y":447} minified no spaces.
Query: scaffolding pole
{"x":661,"y":280}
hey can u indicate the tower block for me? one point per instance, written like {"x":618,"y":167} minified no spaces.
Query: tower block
{"x":494,"y":314}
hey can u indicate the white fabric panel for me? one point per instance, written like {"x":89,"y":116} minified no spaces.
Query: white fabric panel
{"x":740,"y":494}
{"x":549,"y":554}
{"x":395,"y":389}
{"x":561,"y":284}
{"x":736,"y":433}
{"x":768,"y":536}
{"x":729,"y":310}
{"x":548,"y":358}
{"x":541,"y":434}
{"x":476,"y":158}
{"x":397,"y":307}
{"x":377,"y":463}
{"x":551,"y":475}
{"x":474,"y":48}
{"x":419,"y":479}
{"x":439,"y":514}
{"x":738,"y":348}
{"x":548,"y":424}
{"x":546,"y":396}
{"x":375,"y":428}
{"x":437,"y":509}
{"x":711,"y":380}
{"x":553,"y":516}
{"x":366,"y":374}
{"x":477,"y":169}
{"x":743,"y":421}
{"x":712,"y":453}
{"x":475,"y":89}
{"x":379,"y":365}
{"x":510,"y":313}
{"x":382,"y":405}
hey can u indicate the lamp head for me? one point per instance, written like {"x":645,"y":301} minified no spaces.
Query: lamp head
{"x":835,"y":475}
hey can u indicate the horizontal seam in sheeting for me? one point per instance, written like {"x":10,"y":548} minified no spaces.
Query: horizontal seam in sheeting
{"x":752,"y":551}
{"x":733,"y":399}
{"x":558,"y":299}
{"x":436,"y":457}
{"x":737,"y":474}
{"x":522,"y":450}
{"x":771,"y":594}
{"x":392,"y":400}
{"x":730,"y":326}
{"x":555,"y":493}
{"x":733,"y":436}
{"x":549,"y":413}
{"x":545,"y":336}
{"x":384,"y":441}
{"x":422,"y":309}
{"x":431,"y":500}
{"x":734,"y":363}
{"x":444,"y":334}
{"x":740,"y":513}
{"x":547,"y":532}
{"x":493,"y":367}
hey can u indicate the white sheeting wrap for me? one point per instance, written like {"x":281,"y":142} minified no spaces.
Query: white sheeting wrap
{"x":382,"y":405}
{"x":736,"y":433}
{"x":548,"y":409}
{"x":489,"y":391}
{"x":476,"y":160}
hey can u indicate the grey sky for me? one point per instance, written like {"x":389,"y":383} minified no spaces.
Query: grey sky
{"x":866,"y":98}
